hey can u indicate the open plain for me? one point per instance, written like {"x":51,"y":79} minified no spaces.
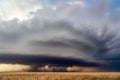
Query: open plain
{"x":59,"y":76}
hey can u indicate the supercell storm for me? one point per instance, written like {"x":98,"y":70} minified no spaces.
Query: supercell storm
{"x":60,"y":35}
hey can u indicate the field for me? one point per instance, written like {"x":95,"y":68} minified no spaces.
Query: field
{"x":59,"y":76}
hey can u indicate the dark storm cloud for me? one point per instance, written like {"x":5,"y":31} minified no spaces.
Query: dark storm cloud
{"x":100,"y":47}
{"x":40,"y":60}
{"x":69,"y":35}
{"x":104,"y":47}
{"x":65,"y":43}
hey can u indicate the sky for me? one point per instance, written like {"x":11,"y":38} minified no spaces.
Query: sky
{"x":60,"y":35}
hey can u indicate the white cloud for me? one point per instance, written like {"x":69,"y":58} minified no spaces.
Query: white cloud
{"x":22,"y":9}
{"x":81,"y":3}
{"x":18,"y":8}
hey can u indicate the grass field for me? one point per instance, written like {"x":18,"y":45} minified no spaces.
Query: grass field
{"x":59,"y":76}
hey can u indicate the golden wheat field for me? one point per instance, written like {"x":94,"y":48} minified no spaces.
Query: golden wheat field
{"x":59,"y":76}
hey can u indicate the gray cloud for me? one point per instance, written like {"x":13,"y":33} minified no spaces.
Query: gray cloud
{"x":68,"y":31}
{"x":35,"y":61}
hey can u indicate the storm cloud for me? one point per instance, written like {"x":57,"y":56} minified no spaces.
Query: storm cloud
{"x":60,"y":33}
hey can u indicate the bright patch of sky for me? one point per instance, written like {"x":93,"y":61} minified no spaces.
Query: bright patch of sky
{"x":116,"y":4}
{"x":21,"y":8}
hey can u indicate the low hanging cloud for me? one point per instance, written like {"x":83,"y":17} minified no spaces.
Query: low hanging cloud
{"x":68,"y":69}
{"x":74,"y":33}
{"x":36,"y":61}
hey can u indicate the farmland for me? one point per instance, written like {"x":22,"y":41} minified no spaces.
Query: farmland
{"x":59,"y":76}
